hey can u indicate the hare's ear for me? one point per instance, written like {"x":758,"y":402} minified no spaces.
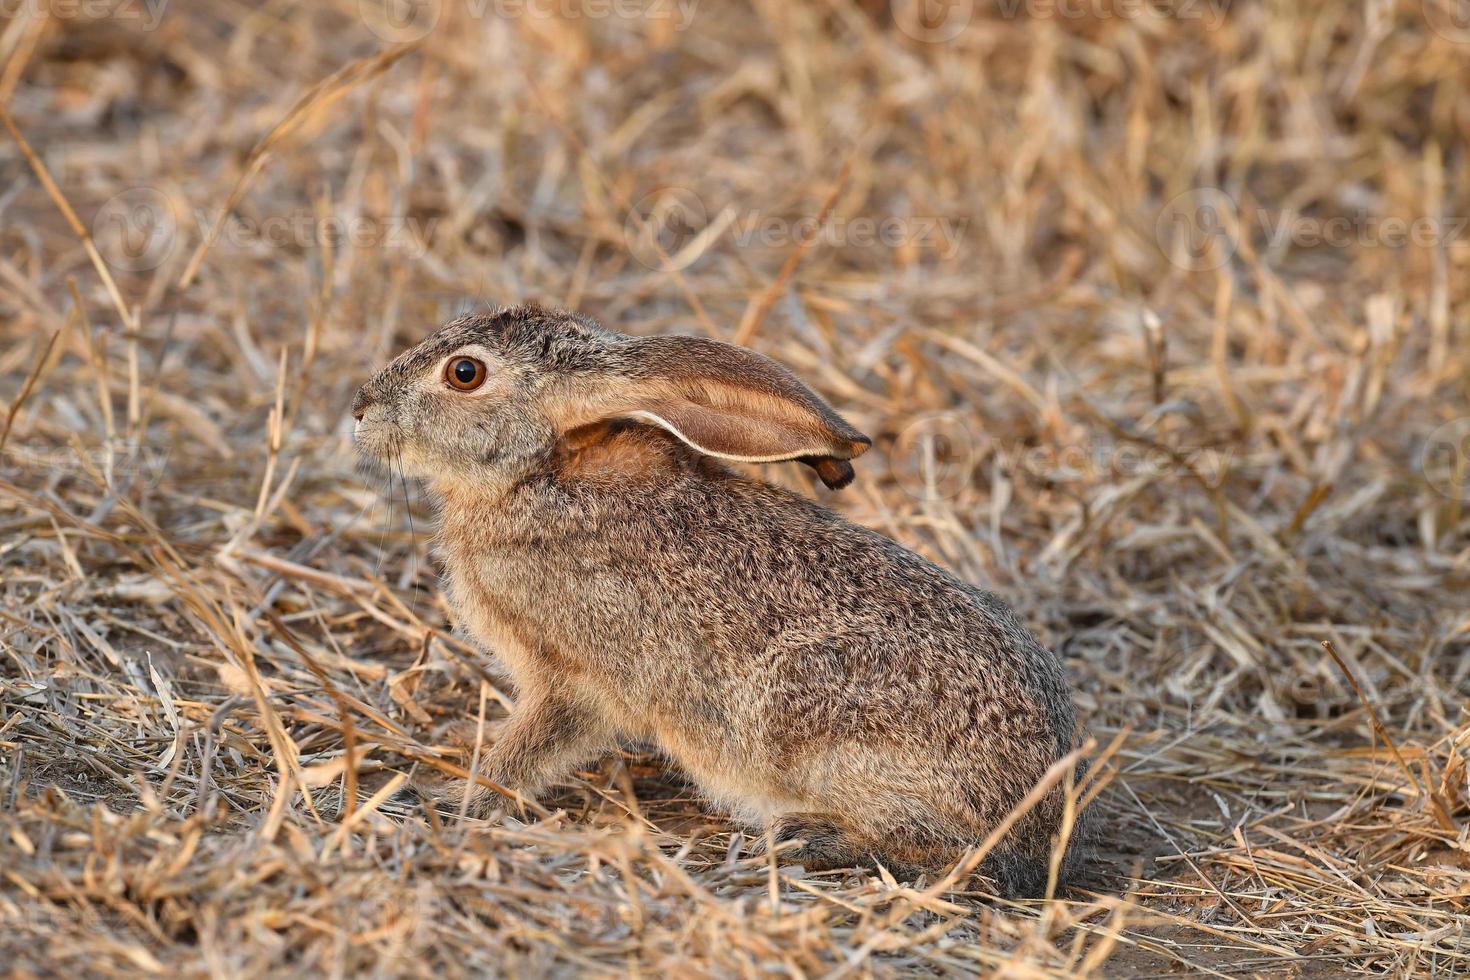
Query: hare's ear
{"x":735,"y":404}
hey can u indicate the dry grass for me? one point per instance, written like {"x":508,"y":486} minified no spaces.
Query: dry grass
{"x":1188,"y":475}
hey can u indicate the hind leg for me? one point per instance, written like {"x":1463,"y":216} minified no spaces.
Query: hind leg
{"x":824,"y":844}
{"x":827,"y":843}
{"x":906,"y":852}
{"x":1016,"y":875}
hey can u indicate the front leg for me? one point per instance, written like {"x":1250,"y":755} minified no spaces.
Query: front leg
{"x":545,"y":736}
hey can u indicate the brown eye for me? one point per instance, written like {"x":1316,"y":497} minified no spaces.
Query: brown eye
{"x":465,"y":373}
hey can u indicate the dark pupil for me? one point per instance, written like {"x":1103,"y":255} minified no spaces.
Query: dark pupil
{"x":465,"y":372}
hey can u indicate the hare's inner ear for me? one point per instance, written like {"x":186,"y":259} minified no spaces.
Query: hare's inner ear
{"x":735,"y":404}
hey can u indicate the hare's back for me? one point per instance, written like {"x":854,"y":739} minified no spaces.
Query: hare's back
{"x":839,"y":604}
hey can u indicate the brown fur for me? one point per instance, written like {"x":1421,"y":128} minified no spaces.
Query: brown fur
{"x":811,"y":676}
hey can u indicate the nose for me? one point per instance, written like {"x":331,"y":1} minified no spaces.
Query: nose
{"x":360,"y":403}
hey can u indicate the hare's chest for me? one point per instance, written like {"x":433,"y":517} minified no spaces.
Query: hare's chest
{"x":485,"y":609}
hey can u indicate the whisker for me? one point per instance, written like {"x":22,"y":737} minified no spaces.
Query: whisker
{"x":383,"y":536}
{"x":412,"y":533}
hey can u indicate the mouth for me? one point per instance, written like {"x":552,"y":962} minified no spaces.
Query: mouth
{"x":375,"y":452}
{"x":374,"y":439}
{"x":384,"y":449}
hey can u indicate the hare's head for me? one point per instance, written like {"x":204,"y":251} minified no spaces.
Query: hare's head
{"x":486,"y":399}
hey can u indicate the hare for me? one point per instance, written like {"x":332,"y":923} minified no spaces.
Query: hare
{"x":814,"y":678}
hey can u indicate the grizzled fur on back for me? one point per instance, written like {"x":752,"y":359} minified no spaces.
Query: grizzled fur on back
{"x":814,"y":678}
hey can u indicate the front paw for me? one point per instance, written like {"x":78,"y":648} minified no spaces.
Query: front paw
{"x":446,"y":793}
